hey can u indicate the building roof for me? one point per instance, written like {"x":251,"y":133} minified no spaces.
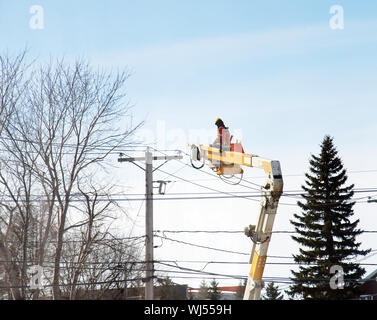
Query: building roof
{"x":372,"y":276}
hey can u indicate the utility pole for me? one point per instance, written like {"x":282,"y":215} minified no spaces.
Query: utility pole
{"x":149,"y":225}
{"x":149,"y":212}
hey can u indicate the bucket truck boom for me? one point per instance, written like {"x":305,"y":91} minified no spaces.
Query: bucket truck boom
{"x":230,"y":162}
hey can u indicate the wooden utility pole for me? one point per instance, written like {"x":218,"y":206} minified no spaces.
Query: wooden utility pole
{"x":149,"y":225}
{"x":148,"y":158}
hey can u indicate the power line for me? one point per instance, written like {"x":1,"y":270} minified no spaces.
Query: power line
{"x":200,"y":271}
{"x":200,"y":231}
{"x":101,"y":241}
{"x":230,"y":251}
{"x":300,"y":194}
{"x":212,"y":189}
{"x":230,"y":196}
{"x":112,"y":265}
{"x":284,"y":194}
{"x":113,"y":281}
{"x":201,"y":246}
{"x":292,"y":175}
{"x":74,"y":145}
{"x":64,"y":263}
{"x":234,"y":231}
{"x":211,"y":175}
{"x":246,"y":262}
{"x":196,"y":271}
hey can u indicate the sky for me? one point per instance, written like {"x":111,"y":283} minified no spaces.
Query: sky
{"x":281,"y":74}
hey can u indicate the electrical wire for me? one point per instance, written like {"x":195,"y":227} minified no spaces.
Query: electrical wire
{"x":230,"y":251}
{"x":200,"y":271}
{"x":212,"y":189}
{"x":235,"y":231}
{"x":297,"y":195}
{"x":246,"y":262}
{"x":113,"y":281}
{"x":288,"y":280}
{"x":283,"y":194}
{"x":199,"y":185}
{"x":201,"y":246}
{"x":103,"y":241}
{"x":209,"y":248}
{"x":210,"y":174}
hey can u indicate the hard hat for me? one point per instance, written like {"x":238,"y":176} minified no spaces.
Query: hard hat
{"x":218,"y":119}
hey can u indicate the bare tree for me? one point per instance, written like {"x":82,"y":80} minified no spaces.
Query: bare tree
{"x":94,"y":210}
{"x":113,"y":263}
{"x":12,"y":84}
{"x":76,"y":113}
{"x":15,"y":177}
{"x":76,"y":110}
{"x":57,"y":128}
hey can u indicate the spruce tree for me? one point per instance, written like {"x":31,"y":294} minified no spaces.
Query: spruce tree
{"x":213,"y":291}
{"x":203,"y":291}
{"x":272,"y":292}
{"x":326,"y":232}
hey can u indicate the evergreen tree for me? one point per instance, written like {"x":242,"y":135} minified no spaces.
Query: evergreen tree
{"x":203,"y":291}
{"x":272,"y":292}
{"x":327,"y":236}
{"x":167,"y":289}
{"x":213,"y":291}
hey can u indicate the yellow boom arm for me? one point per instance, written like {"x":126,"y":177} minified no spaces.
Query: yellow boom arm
{"x":260,"y":233}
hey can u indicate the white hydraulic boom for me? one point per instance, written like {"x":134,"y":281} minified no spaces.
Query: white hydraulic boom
{"x":229,"y":162}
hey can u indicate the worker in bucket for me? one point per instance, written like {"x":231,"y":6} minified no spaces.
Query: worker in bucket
{"x":223,"y":136}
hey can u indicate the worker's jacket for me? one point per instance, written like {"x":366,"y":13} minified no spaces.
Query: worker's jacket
{"x":223,"y":137}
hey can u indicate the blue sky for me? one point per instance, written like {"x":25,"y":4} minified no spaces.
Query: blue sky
{"x":275,"y":71}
